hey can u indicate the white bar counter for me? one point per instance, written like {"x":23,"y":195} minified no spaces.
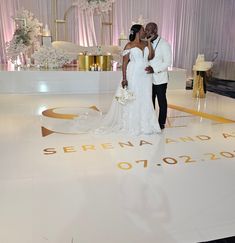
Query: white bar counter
{"x":70,"y":80}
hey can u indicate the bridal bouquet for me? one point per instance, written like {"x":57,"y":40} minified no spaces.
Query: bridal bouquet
{"x":123,"y":95}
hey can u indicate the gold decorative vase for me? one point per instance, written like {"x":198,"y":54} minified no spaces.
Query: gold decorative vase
{"x":88,"y":61}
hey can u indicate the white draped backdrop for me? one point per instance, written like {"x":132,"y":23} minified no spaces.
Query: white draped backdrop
{"x":191,"y":26}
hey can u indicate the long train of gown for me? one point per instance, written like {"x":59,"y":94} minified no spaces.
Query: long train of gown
{"x":138,"y":116}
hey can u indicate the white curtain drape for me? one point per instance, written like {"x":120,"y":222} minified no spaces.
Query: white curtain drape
{"x":84,"y":22}
{"x":7,"y":25}
{"x":190,"y":26}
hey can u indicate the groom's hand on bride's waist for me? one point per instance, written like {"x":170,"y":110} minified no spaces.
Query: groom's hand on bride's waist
{"x":149,"y":69}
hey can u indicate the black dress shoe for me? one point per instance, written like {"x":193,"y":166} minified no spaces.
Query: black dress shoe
{"x":162,"y":126}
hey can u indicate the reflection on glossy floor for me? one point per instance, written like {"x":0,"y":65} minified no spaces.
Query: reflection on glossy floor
{"x":59,"y":186}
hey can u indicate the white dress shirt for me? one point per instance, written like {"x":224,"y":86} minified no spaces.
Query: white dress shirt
{"x":161,"y":61}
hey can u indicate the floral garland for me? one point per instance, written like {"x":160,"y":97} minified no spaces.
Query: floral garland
{"x":25,"y":36}
{"x":100,"y":6}
{"x":50,"y":57}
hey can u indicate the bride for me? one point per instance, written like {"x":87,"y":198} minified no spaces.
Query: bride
{"x":137,"y":116}
{"x":132,"y":110}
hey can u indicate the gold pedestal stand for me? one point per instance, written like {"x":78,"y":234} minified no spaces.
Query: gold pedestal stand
{"x":198,"y":87}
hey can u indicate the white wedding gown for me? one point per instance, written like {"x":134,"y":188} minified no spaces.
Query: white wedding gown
{"x":137,"y":116}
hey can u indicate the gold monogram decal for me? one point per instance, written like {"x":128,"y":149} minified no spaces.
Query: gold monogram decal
{"x":52,"y":114}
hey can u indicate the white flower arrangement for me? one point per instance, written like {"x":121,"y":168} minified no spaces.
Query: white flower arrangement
{"x":33,"y":26}
{"x":123,"y":95}
{"x":25,"y":36}
{"x":140,"y":21}
{"x":51,"y":57}
{"x":14,"y":49}
{"x":100,"y":6}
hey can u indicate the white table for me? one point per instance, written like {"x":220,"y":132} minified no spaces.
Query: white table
{"x":70,"y":80}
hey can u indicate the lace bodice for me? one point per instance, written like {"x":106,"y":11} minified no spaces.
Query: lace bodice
{"x":136,"y":54}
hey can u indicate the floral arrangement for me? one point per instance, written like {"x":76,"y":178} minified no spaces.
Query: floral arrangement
{"x":123,"y":95}
{"x":50,"y":57}
{"x":25,"y":36}
{"x":100,"y":6}
{"x":140,"y":21}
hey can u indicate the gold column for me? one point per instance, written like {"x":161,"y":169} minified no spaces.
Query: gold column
{"x":57,"y":22}
{"x":66,"y":21}
{"x":54,"y":17}
{"x":108,"y":23}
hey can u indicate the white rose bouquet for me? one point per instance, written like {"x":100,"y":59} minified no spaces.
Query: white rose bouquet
{"x":124,"y":96}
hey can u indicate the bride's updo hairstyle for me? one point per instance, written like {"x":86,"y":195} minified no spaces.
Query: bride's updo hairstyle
{"x":134,"y":30}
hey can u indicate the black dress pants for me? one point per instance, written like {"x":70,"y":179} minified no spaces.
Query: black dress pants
{"x":160,"y":92}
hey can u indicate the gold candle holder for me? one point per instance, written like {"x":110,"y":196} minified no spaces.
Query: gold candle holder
{"x":85,"y":61}
{"x":109,"y":60}
{"x":104,"y":61}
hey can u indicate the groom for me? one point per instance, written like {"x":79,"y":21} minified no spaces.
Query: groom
{"x":159,"y":68}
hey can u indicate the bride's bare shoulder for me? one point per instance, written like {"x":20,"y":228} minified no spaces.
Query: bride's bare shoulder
{"x":128,"y":46}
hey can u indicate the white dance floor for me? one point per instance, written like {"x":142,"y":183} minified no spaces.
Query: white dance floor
{"x":60,"y":186}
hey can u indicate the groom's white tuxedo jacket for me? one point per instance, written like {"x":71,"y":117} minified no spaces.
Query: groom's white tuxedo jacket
{"x":161,"y":61}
